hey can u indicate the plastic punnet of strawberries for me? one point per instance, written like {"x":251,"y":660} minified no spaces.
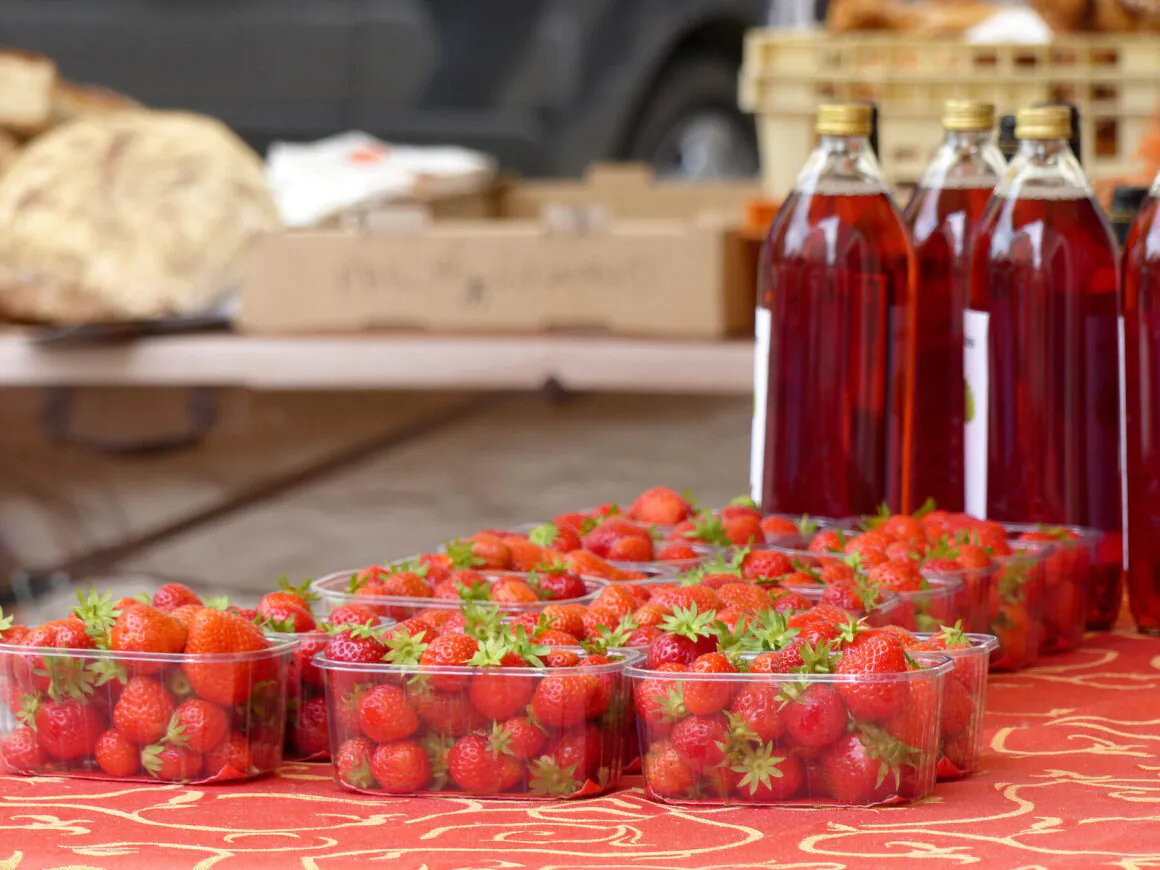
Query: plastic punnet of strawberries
{"x":818,"y":708}
{"x":163,"y":688}
{"x":483,"y":710}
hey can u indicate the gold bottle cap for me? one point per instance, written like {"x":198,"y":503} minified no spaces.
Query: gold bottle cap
{"x":1043,"y":122}
{"x":968,"y":116}
{"x":843,"y":119}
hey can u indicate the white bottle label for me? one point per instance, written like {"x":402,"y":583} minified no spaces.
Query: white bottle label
{"x":760,"y":402}
{"x":1123,"y":441}
{"x":976,"y":371}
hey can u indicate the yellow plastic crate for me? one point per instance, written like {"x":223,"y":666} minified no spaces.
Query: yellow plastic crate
{"x":1113,"y":81}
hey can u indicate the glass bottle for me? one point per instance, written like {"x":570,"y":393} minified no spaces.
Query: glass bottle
{"x":942,"y":216}
{"x":1041,"y":354}
{"x":1141,"y":310}
{"x":835,"y":321}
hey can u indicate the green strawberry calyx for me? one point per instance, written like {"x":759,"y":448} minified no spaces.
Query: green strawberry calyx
{"x":806,"y":525}
{"x":175,"y":732}
{"x":5,"y":621}
{"x":437,"y":746}
{"x":850,"y":630}
{"x":953,"y":636}
{"x":482,"y":620}
{"x":403,"y":648}
{"x":499,"y":741}
{"x":518,"y":642}
{"x":688,"y":623}
{"x":743,"y":501}
{"x":610,"y":638}
{"x":304,"y":590}
{"x":218,"y":602}
{"x":759,"y":767}
{"x":890,"y":752}
{"x":741,"y":736}
{"x":709,"y":529}
{"x":547,"y":777}
{"x":772,"y":634}
{"x":462,"y":554}
{"x":29,"y":707}
{"x":928,"y":506}
{"x":98,"y":614}
{"x":478,"y":592}
{"x":544,"y":535}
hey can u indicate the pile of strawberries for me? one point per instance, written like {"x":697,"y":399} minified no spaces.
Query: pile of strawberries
{"x":819,"y":707}
{"x":482,"y":708}
{"x":166,"y":688}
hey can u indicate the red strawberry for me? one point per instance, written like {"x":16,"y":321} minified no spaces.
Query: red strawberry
{"x":660,"y":506}
{"x":676,"y":552}
{"x":309,"y":730}
{"x":352,"y":763}
{"x":67,"y":729}
{"x":605,"y":536}
{"x":958,"y":707}
{"x":309,"y":645}
{"x":449,"y":713}
{"x":814,"y":717}
{"x":898,"y":576}
{"x":561,"y":700}
{"x":384,"y":714}
{"x":230,"y":759}
{"x":117,"y":756}
{"x":143,"y":710}
{"x":287,"y":617}
{"x":559,"y":537}
{"x":20,"y":751}
{"x":174,"y":595}
{"x":827,"y":540}
{"x":792,"y":602}
{"x":643,"y":636}
{"x":766,"y":777}
{"x":497,"y":695}
{"x":474,"y":767}
{"x":747,"y":597}
{"x":519,"y":738}
{"x":147,"y":629}
{"x":406,"y":584}
{"x":708,"y":696}
{"x":401,"y":767}
{"x":213,"y":632}
{"x":844,"y":594}
{"x":781,"y":661}
{"x":873,"y":654}
{"x":759,"y":707}
{"x":555,"y":638}
{"x":701,"y":740}
{"x":666,"y":773}
{"x":171,"y":763}
{"x":578,"y":522}
{"x":203,"y":725}
{"x":566,"y":618}
{"x":661,"y":702}
{"x":576,"y":756}
{"x":489,"y":552}
{"x":67,"y":633}
{"x":358,"y":645}
{"x":854,"y":771}
{"x":765,"y":564}
{"x":352,"y":614}
{"x":561,"y":586}
{"x":687,"y":635}
{"x":449,"y":650}
{"x":561,"y":658}
{"x":513,"y":591}
{"x":743,"y":529}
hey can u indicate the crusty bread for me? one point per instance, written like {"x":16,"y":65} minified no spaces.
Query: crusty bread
{"x":70,"y":100}
{"x":129,"y":215}
{"x":9,"y":148}
{"x":26,"y":82}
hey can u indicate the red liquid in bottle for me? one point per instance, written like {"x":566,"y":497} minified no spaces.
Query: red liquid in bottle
{"x":1141,"y":309}
{"x":837,"y":292}
{"x":1045,"y":272}
{"x":942,"y":222}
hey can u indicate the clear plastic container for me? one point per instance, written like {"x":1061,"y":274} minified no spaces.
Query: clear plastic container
{"x":808,"y":750}
{"x":144,"y":717}
{"x":964,"y":700}
{"x":307,"y":732}
{"x":416,"y":730}
{"x":1068,"y":573}
{"x":928,"y":609}
{"x":1015,"y":608}
{"x":334,"y":590}
{"x":975,"y":596}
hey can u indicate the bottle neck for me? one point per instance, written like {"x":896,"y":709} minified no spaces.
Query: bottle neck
{"x":968,"y":140}
{"x":966,"y":159}
{"x":842,"y":165}
{"x":1046,"y":166}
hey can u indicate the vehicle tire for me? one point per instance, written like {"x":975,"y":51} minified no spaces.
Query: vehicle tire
{"x":690,"y":126}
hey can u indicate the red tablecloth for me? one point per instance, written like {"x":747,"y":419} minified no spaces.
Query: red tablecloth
{"x":1071,"y":779}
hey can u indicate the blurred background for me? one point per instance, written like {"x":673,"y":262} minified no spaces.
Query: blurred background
{"x":397,"y":270}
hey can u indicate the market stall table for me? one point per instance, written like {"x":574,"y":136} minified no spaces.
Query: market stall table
{"x":1071,"y":779}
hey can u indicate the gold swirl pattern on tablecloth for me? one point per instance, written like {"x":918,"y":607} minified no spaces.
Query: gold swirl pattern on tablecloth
{"x":1071,"y":779}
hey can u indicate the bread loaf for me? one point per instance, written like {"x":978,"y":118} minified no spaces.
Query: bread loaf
{"x":130,"y":215}
{"x":26,"y":83}
{"x":70,"y":101}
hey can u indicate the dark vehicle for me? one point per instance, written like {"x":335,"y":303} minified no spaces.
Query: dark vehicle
{"x":546,"y":85}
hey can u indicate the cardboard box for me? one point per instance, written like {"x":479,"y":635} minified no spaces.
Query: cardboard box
{"x":616,"y":253}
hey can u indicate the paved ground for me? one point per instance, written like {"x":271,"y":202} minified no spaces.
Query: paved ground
{"x":523,"y":459}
